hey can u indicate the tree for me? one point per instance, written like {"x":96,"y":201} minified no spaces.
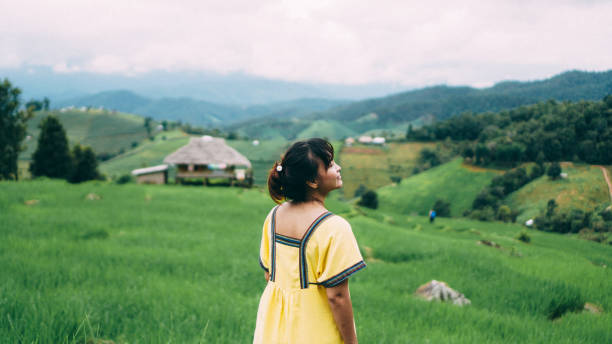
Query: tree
{"x":85,"y":166}
{"x":369,"y":199}
{"x":12,"y":129}
{"x":52,"y":157}
{"x":554,"y":170}
{"x":442,"y":208}
{"x":46,"y":103}
{"x":148,"y":124}
{"x":35,"y":105}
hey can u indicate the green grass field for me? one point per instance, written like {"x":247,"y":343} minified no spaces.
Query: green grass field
{"x":454,"y":182}
{"x":585,"y":188}
{"x":104,"y":131}
{"x":172,"y":264}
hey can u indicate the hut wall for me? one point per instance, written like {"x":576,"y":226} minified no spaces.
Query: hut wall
{"x":153,"y":178}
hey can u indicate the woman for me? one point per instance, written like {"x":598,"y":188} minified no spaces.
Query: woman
{"x":307,"y":253}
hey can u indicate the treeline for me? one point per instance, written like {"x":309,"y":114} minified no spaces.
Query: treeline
{"x":547,"y":131}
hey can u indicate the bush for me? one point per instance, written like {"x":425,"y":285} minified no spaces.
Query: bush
{"x":361,"y":189}
{"x":124,"y":179}
{"x":442,"y":208}
{"x":504,"y":213}
{"x":524,"y":237}
{"x":396,"y":179}
{"x":554,"y":170}
{"x":369,"y":200}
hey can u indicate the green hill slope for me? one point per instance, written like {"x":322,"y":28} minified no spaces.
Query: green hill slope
{"x":452,"y":181}
{"x":179,"y":264}
{"x":104,"y":131}
{"x":149,"y":153}
{"x":585,"y":188}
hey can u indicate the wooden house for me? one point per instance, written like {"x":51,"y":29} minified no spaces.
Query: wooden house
{"x":208,"y":158}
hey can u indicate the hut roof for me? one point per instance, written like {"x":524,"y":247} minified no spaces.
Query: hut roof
{"x":206,"y":151}
{"x":149,"y":170}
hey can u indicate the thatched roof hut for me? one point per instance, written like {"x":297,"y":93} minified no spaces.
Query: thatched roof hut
{"x":207,"y":157}
{"x":207,"y":151}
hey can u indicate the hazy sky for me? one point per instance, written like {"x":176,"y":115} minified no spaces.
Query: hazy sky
{"x":413,"y":43}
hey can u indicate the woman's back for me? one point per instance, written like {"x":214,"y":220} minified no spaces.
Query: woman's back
{"x":301,"y":263}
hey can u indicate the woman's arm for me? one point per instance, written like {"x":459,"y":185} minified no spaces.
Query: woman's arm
{"x":267,"y":275}
{"x":339,"y":299}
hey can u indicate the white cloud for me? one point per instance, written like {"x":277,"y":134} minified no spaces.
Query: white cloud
{"x":357,"y":41}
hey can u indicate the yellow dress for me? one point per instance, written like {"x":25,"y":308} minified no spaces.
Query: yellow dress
{"x":294,"y":306}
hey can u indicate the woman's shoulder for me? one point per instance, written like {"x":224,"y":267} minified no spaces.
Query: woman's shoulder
{"x":334,"y":225}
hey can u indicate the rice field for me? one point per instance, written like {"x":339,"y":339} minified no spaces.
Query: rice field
{"x":132,"y":263}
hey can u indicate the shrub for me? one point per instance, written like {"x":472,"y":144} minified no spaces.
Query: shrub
{"x":124,"y":179}
{"x":396,"y":179}
{"x":524,"y":237}
{"x":369,"y":200}
{"x":442,"y":208}
{"x":554,"y":170}
{"x":361,"y":189}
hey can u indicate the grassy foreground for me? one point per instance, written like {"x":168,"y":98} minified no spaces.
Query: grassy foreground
{"x":153,"y":264}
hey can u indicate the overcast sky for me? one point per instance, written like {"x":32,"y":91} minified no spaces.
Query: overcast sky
{"x":413,"y":43}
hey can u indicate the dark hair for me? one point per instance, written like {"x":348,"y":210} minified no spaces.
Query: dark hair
{"x":299,"y":164}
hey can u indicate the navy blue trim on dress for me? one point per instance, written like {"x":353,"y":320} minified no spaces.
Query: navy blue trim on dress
{"x":304,"y":241}
{"x":340,"y":277}
{"x":281,"y":239}
{"x":273,"y":249}
{"x":263,"y":266}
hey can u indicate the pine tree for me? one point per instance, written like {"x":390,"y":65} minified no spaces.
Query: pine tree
{"x":85,"y":166}
{"x":52,"y":156}
{"x":12,"y":129}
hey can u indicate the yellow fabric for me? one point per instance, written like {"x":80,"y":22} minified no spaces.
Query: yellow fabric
{"x":289,"y":314}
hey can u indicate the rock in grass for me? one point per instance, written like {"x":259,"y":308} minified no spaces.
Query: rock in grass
{"x":592,"y":308}
{"x":488,"y":243}
{"x":31,"y":202}
{"x":92,"y":197}
{"x":437,"y":290}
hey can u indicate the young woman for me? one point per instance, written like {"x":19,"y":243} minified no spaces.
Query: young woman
{"x":307,"y":253}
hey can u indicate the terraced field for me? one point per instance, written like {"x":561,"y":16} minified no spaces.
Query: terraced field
{"x":97,"y":262}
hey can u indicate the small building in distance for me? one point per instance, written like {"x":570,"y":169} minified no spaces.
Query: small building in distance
{"x":151,"y":175}
{"x":208,"y":158}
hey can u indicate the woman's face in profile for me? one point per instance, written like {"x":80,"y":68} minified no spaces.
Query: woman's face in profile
{"x":329,"y":179}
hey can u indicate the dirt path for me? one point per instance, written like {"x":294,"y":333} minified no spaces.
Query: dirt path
{"x":607,"y":178}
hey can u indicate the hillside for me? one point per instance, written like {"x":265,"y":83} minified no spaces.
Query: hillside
{"x":104,"y":131}
{"x":441,"y":102}
{"x":179,"y":264}
{"x":194,"y":111}
{"x":149,"y":153}
{"x":454,"y":182}
{"x":585,"y":188}
{"x":374,"y":166}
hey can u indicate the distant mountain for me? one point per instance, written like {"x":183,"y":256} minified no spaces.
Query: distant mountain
{"x":441,"y":102}
{"x":196,"y":112}
{"x":235,"y":88}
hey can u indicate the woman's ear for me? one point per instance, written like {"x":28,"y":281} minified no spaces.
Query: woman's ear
{"x":312,"y":185}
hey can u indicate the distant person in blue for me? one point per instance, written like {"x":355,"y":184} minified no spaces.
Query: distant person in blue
{"x":432,"y":216}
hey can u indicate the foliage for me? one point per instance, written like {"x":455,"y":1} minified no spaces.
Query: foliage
{"x":442,"y":208}
{"x":52,"y":156}
{"x":549,"y":130}
{"x":85,"y":165}
{"x":554,"y":170}
{"x":124,"y":179}
{"x":361,"y":189}
{"x":369,"y":199}
{"x":12,"y":129}
{"x":524,"y":236}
